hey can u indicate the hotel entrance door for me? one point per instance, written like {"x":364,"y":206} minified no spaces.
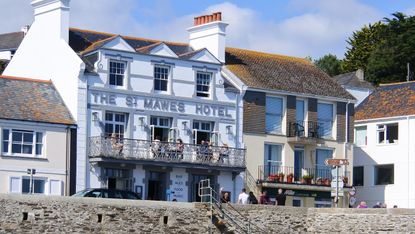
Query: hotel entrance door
{"x":156,"y":187}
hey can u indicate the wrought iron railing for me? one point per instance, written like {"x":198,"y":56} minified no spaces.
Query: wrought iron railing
{"x":310,"y":129}
{"x":135,"y":149}
{"x":319,"y":175}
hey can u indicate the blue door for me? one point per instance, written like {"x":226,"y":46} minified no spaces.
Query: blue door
{"x":298,"y":163}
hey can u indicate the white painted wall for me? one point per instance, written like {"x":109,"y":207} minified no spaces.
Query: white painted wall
{"x":51,"y":166}
{"x":359,"y":93}
{"x":401,"y":154}
{"x":6,"y":55}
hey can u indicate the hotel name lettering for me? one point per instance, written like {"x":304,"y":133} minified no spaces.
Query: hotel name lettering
{"x":162,"y":105}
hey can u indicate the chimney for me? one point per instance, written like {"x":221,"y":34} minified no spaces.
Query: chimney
{"x":360,"y":74}
{"x":25,"y":29}
{"x":53,"y":18}
{"x":208,"y":31}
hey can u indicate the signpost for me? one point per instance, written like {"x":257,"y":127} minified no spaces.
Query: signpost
{"x":31,"y":172}
{"x":337,"y":182}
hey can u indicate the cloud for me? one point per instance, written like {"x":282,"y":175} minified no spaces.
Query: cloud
{"x":315,"y":28}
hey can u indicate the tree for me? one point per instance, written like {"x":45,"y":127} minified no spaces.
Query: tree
{"x":388,"y":61}
{"x":3,"y":65}
{"x":330,"y":64}
{"x":361,"y":45}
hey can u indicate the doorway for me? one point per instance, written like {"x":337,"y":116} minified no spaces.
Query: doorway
{"x":298,"y":163}
{"x":156,"y":186}
{"x":194,"y":196}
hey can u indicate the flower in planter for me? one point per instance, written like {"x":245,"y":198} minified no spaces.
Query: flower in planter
{"x":281,"y":177}
{"x":290,"y":178}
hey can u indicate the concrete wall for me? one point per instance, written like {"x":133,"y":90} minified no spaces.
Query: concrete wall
{"x":86,"y":215}
{"x":401,"y":154}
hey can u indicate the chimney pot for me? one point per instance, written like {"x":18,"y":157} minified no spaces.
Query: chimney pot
{"x":210,"y":18}
{"x":219,"y":16}
{"x":195,"y":21}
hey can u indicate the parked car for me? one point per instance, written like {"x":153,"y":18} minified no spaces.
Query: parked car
{"x":107,"y":193}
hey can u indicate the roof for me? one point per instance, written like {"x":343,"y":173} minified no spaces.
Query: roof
{"x":10,"y":40}
{"x":32,"y":100}
{"x":388,"y":101}
{"x":283,"y":73}
{"x":351,"y":79}
{"x":255,"y":69}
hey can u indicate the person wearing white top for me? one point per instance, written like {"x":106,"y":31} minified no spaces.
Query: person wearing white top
{"x":243,"y":197}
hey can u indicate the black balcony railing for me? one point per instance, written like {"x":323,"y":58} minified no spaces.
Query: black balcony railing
{"x":303,"y":129}
{"x":133,"y":149}
{"x":320,"y":175}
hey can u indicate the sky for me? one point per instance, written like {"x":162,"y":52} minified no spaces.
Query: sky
{"x":291,"y":27}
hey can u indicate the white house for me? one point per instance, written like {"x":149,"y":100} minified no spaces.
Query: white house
{"x":384,"y":153}
{"x":355,"y":84}
{"x":37,"y":135}
{"x":143,"y":107}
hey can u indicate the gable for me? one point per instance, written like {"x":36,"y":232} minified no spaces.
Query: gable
{"x":163,"y":50}
{"x":205,"y":56}
{"x":118,"y":43}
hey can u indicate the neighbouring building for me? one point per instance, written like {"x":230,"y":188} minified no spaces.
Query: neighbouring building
{"x":295,"y":117}
{"x":355,"y":84}
{"x":135,"y":100}
{"x":384,"y":153}
{"x":153,"y":117}
{"x":37,"y":135}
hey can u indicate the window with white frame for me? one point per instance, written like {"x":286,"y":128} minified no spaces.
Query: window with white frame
{"x":161,"y":128}
{"x":203,"y":81}
{"x":203,"y":132}
{"x":161,"y":78}
{"x":325,"y":119}
{"x":22,"y":142}
{"x":387,"y":133}
{"x":272,"y":159}
{"x":117,"y":72}
{"x":274,"y":114}
{"x":361,"y":136}
{"x":384,"y":174}
{"x":115,"y":123}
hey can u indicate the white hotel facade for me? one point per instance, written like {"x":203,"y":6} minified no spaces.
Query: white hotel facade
{"x":135,"y":99}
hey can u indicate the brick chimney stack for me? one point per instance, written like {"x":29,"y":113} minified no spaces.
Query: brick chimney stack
{"x":209,"y":31}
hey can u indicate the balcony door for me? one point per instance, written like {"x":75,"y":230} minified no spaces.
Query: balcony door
{"x":272,"y":159}
{"x":203,"y":132}
{"x":298,"y":163}
{"x":160,"y":128}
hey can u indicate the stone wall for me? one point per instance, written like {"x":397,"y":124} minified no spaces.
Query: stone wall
{"x":40,"y":214}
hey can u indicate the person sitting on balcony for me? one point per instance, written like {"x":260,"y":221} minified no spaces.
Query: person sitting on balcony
{"x":155,"y":147}
{"x":203,"y":150}
{"x":224,"y":153}
{"x":179,"y":149}
{"x":115,"y":143}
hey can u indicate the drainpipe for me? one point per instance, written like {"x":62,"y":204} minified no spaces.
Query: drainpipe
{"x":408,"y":130}
{"x":346,"y":133}
{"x":67,"y":161}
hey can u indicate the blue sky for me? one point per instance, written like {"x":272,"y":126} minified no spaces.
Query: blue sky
{"x":291,"y":27}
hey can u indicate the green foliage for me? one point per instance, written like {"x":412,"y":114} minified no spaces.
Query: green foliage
{"x":361,"y":45}
{"x":383,"y":49}
{"x":330,"y":64}
{"x":2,"y":66}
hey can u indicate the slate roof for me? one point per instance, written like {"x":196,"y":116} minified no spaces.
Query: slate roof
{"x":256,"y":69}
{"x":388,"y":101}
{"x":32,"y":100}
{"x":10,"y":40}
{"x":284,"y":73}
{"x":352,"y":80}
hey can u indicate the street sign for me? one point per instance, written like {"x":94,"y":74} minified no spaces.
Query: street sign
{"x":336,"y":162}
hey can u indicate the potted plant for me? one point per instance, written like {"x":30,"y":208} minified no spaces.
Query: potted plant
{"x":327,"y":182}
{"x":281,"y":177}
{"x":290,"y":178}
{"x":319,"y":181}
{"x":308,"y":178}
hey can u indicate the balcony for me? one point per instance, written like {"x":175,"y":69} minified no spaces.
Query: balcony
{"x":294,"y":177}
{"x":305,"y":132}
{"x":142,"y":151}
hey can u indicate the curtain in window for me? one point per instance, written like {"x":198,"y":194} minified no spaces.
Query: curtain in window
{"x":361,"y":135}
{"x":272,"y":159}
{"x":325,"y":119}
{"x":273,"y":117}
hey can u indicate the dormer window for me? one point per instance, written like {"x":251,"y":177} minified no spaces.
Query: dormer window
{"x":203,"y":81}
{"x":161,"y":78}
{"x":117,"y":73}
